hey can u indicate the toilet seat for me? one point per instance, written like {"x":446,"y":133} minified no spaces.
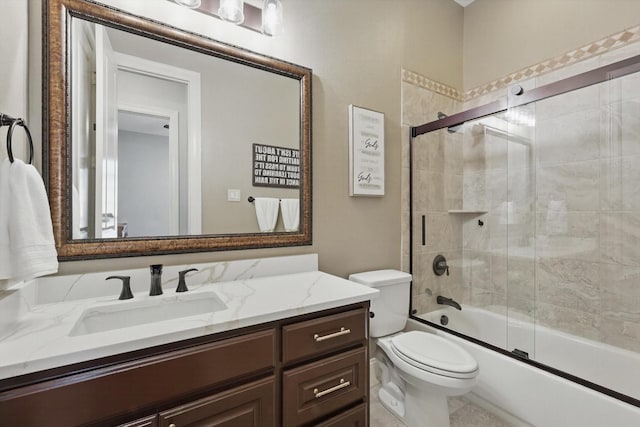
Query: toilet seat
{"x":434,"y":354}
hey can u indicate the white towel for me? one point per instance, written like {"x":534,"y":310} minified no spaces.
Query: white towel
{"x":5,"y":249}
{"x":290,"y":209}
{"x":32,"y":248}
{"x":266,"y":213}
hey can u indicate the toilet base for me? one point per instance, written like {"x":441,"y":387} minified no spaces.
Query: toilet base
{"x":416,"y":407}
{"x":424,"y":408}
{"x":391,"y":398}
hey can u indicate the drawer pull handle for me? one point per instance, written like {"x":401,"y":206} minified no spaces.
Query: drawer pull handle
{"x":342,"y":331}
{"x":342,"y":385}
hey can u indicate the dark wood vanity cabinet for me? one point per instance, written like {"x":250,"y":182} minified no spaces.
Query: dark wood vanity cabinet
{"x":302,"y":371}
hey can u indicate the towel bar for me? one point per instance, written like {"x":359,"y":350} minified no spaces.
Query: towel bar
{"x":252,"y":199}
{"x":6,"y":120}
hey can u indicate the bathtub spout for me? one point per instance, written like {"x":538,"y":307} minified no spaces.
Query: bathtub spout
{"x":448,"y":301}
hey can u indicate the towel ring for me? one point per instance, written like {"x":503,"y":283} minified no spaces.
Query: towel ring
{"x":14,"y":123}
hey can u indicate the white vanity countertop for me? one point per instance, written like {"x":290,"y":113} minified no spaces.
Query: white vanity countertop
{"x":39,"y":339}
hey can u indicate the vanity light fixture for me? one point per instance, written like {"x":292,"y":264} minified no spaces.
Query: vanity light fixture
{"x":191,"y":4}
{"x":232,"y":11}
{"x":272,"y":17}
{"x":264,"y":16}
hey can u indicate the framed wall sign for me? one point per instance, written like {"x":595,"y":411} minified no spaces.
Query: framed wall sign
{"x":276,"y":166}
{"x":366,"y":152}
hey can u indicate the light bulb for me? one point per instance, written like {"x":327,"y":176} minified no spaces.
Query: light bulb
{"x":232,"y":11}
{"x":272,"y":19}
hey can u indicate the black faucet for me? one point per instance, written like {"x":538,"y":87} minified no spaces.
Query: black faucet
{"x":156,"y":279}
{"x":448,"y":301}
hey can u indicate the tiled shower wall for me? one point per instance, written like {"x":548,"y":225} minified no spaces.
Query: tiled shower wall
{"x":437,"y":171}
{"x":562,"y":196}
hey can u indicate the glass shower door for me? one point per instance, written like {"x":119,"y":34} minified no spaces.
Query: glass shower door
{"x":518,"y":216}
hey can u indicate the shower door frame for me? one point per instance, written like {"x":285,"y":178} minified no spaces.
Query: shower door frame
{"x":517,"y":97}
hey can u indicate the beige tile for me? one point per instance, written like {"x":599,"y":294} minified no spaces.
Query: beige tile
{"x":471,"y":415}
{"x":571,"y":235}
{"x":429,"y":151}
{"x":566,"y":320}
{"x":569,"y":283}
{"x":621,"y":128}
{"x":624,"y":52}
{"x":620,"y":237}
{"x":571,"y":186}
{"x":462,"y":414}
{"x":453,"y":153}
{"x":620,"y":333}
{"x":474,"y":236}
{"x":579,"y":100}
{"x":412,"y":113}
{"x":619,"y":183}
{"x":443,"y":232}
{"x":570,"y":138}
{"x":405,"y":137}
{"x":621,"y":295}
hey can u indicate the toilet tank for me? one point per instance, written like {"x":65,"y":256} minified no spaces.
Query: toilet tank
{"x":391,"y":308}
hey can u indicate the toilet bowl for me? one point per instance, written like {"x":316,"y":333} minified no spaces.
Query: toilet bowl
{"x":418,"y":370}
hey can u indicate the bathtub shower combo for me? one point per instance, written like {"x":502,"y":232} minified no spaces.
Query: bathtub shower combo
{"x":525,"y":236}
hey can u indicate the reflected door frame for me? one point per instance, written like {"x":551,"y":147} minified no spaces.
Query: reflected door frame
{"x":191,"y":79}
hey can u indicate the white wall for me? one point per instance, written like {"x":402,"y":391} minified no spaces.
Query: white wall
{"x":143,"y":183}
{"x":13,"y":72}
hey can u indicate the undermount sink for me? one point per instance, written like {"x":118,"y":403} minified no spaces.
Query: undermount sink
{"x":151,"y":310}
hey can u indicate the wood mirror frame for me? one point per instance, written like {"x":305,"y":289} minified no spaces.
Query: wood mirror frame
{"x":56,"y":134}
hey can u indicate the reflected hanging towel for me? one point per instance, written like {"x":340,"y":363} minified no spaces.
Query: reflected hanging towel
{"x":31,"y":245}
{"x":290,"y":209}
{"x":266,"y":213}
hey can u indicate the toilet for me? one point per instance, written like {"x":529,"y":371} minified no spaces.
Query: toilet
{"x":419,"y":370}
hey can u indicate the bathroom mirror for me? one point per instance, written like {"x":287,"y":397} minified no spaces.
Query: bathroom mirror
{"x":157,"y":138}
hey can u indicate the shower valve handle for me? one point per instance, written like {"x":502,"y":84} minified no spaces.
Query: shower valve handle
{"x":440,"y":265}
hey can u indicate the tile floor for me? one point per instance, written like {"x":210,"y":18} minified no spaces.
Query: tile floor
{"x":463,"y":414}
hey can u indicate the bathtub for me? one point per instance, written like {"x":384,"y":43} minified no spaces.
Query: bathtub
{"x":533,"y":395}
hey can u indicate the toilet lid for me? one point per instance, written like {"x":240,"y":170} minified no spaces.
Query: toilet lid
{"x":434,"y":353}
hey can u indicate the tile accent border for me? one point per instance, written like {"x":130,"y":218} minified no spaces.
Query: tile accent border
{"x":432,"y":85}
{"x":590,"y":50}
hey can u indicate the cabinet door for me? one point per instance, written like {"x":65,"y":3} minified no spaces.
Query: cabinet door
{"x":248,"y":405}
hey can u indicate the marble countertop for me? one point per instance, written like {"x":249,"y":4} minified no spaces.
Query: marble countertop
{"x":40,"y":338}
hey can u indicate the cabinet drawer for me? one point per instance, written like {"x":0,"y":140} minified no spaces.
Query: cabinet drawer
{"x":356,"y":417}
{"x":248,"y":405}
{"x":313,"y":337}
{"x":317,"y":389}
